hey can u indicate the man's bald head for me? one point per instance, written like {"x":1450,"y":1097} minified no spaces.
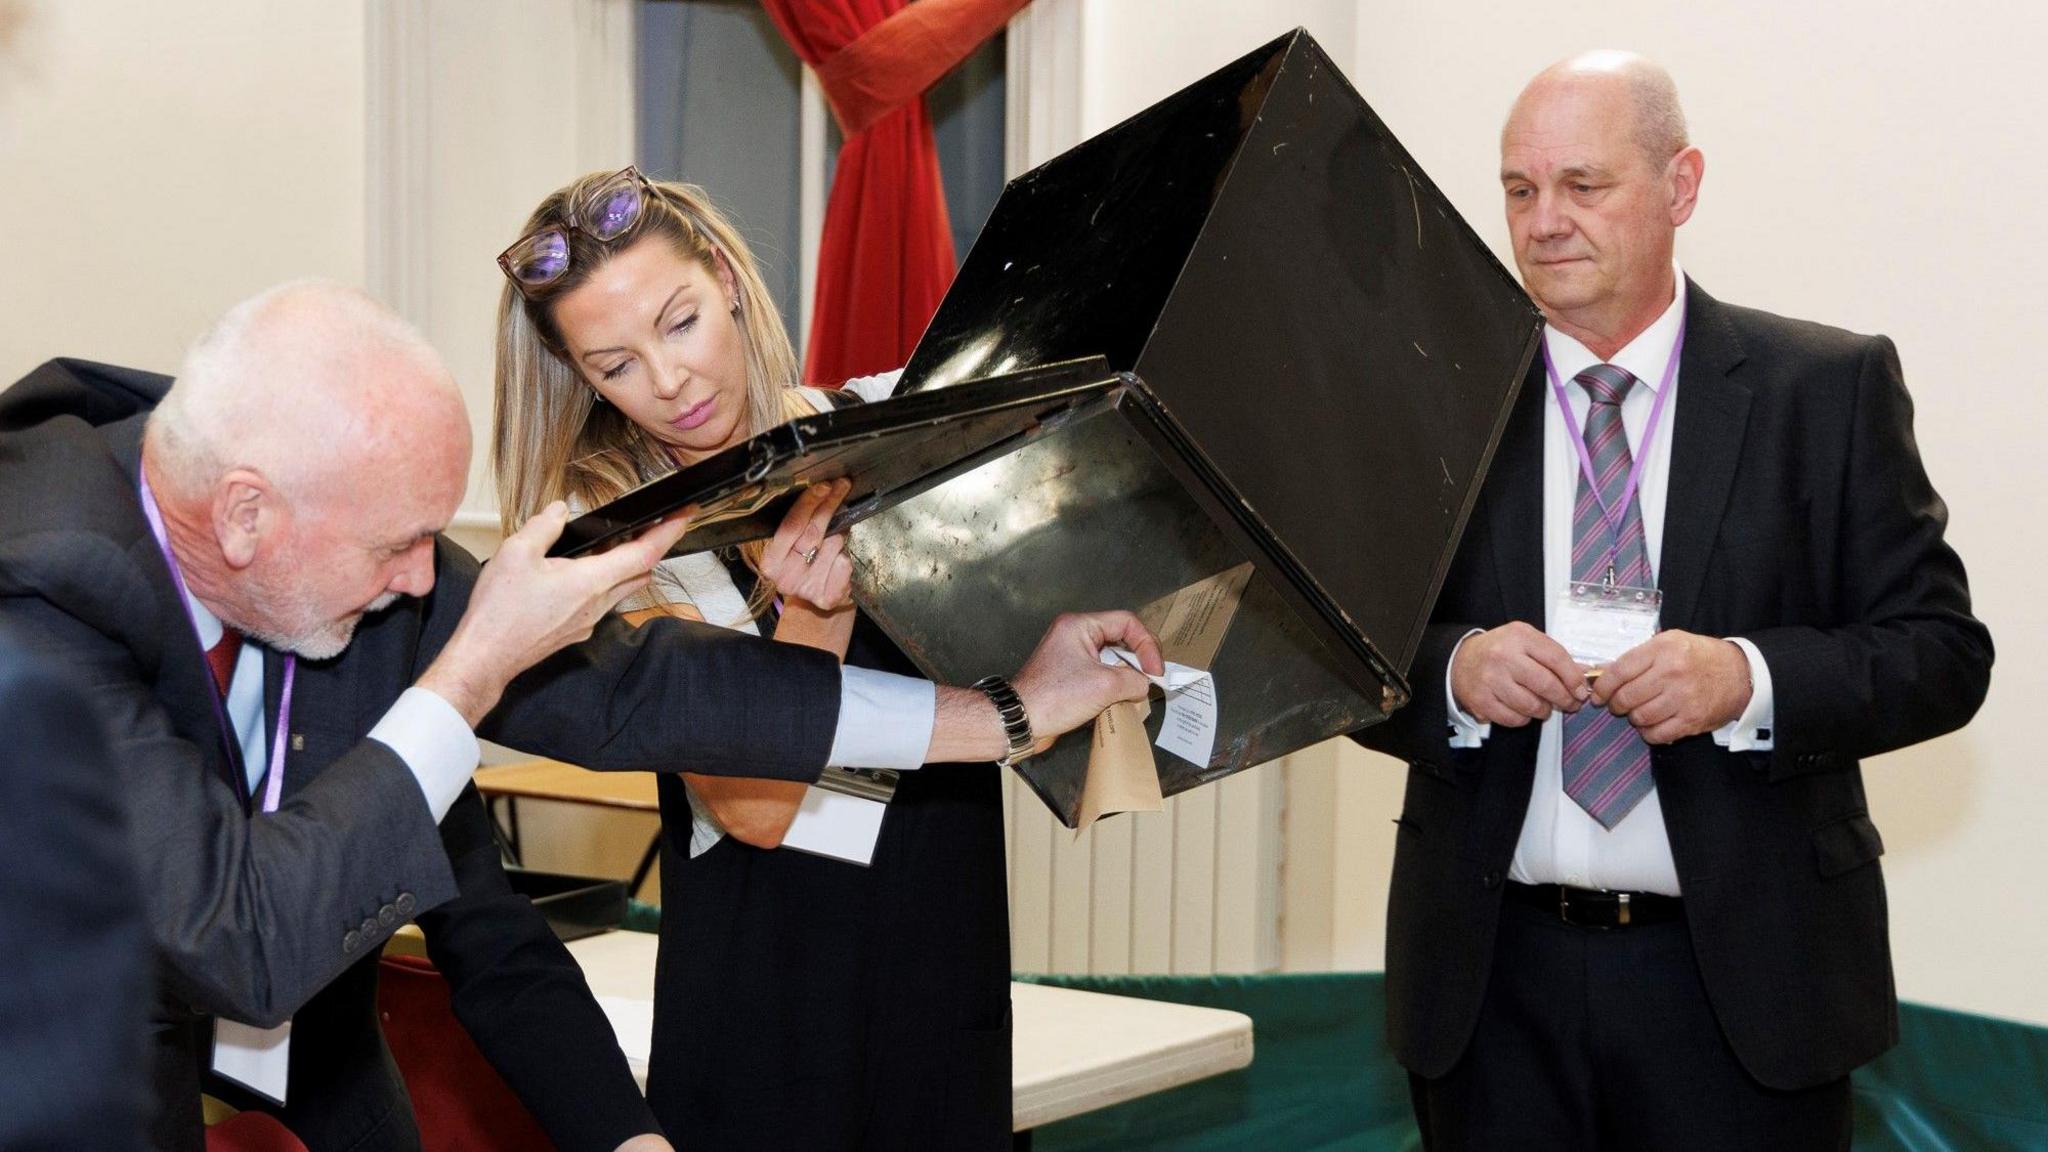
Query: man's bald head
{"x":1598,"y":176}
{"x":1638,"y":85}
{"x":308,"y":383}
{"x":304,"y":461}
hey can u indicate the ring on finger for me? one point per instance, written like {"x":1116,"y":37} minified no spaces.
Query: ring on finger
{"x":810,"y":554}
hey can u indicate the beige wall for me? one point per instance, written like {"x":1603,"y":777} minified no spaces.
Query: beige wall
{"x":518,"y":99}
{"x":160,"y":161}
{"x":1135,"y":54}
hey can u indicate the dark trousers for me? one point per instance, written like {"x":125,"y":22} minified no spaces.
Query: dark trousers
{"x":1603,"y":1041}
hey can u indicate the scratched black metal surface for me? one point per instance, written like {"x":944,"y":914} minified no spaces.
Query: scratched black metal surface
{"x":1332,"y":352}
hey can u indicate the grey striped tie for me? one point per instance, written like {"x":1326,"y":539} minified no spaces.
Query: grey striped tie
{"x":1606,"y":763}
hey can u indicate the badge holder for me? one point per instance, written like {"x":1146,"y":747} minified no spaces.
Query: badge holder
{"x":1597,"y":622}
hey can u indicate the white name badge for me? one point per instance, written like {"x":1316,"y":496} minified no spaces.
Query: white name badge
{"x":259,"y":1059}
{"x":1597,"y":622}
{"x":836,"y":825}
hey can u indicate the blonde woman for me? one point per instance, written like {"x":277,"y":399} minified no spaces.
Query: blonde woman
{"x":800,"y":1001}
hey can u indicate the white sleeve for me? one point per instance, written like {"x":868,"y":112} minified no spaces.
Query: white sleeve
{"x":1751,"y":731}
{"x":885,"y":720}
{"x":873,"y":388}
{"x":434,"y":741}
{"x":1465,"y":731}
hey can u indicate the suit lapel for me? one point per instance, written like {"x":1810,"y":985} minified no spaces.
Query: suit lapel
{"x":1514,"y":503}
{"x":182,"y":668}
{"x":1707,"y":434}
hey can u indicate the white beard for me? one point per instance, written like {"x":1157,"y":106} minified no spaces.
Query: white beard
{"x":323,"y":641}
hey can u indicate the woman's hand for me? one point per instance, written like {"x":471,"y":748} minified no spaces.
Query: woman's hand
{"x":803,"y":562}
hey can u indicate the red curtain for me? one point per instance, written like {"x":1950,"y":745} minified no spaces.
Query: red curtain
{"x":886,"y":255}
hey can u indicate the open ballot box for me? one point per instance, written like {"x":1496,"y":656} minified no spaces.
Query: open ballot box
{"x":1320,"y":356}
{"x":1235,"y":363}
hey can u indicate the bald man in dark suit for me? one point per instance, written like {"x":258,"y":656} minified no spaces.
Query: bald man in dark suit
{"x":1636,"y":900}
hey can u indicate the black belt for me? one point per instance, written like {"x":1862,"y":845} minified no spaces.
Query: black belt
{"x":1592,"y":908}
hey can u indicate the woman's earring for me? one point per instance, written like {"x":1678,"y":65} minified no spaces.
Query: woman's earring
{"x":597,"y":398}
{"x":735,"y":306}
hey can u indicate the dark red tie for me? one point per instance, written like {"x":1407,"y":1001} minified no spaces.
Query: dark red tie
{"x":221,"y":658}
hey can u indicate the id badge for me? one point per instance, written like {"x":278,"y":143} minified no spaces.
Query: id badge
{"x":259,"y":1059}
{"x":1598,"y":622}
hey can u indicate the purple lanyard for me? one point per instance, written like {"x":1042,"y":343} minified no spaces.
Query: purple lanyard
{"x":273,"y":785}
{"x":1613,"y":517}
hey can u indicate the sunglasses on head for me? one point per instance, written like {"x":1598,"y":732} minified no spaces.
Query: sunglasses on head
{"x":607,"y":212}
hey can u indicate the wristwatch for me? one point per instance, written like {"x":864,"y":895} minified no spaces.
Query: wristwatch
{"x":1016,"y":725}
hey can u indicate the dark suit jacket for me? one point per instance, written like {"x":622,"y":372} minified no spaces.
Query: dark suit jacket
{"x":1799,"y":517}
{"x":73,"y":946}
{"x":252,"y":917}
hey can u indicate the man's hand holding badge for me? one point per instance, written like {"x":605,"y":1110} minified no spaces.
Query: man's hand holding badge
{"x":1670,"y":686}
{"x":1677,"y":684}
{"x":1514,"y":674}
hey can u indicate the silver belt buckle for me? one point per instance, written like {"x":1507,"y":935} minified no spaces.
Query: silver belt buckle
{"x":878,"y":784}
{"x":1564,"y":906}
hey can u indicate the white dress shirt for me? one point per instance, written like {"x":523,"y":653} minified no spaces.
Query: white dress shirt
{"x":1560,"y":842}
{"x":425,"y":731}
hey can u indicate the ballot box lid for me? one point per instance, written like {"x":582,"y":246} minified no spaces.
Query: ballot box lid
{"x":1333,"y":343}
{"x":888,"y":452}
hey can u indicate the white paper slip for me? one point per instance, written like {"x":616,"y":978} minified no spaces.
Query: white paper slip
{"x":837,"y":825}
{"x":1177,"y":677}
{"x":259,"y":1059}
{"x":1189,"y":728}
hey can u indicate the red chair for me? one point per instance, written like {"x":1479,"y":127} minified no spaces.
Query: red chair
{"x":251,"y":1132}
{"x":462,"y":1103}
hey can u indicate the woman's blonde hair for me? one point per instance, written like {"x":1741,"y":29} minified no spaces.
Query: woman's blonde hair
{"x":550,"y":437}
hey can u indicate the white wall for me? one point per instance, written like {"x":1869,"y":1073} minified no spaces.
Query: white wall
{"x":1135,"y":54}
{"x":160,"y":161}
{"x":519,"y":98}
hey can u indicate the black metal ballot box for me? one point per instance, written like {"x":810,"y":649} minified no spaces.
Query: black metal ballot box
{"x":1320,"y":355}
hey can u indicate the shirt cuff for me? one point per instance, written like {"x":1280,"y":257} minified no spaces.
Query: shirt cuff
{"x":885,"y":720}
{"x":1465,"y":732}
{"x":435,"y":743}
{"x":1751,"y":731}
